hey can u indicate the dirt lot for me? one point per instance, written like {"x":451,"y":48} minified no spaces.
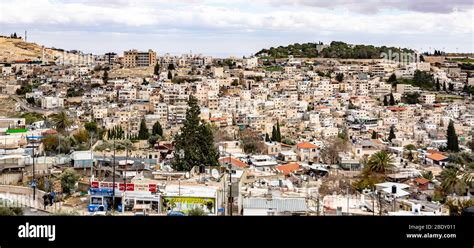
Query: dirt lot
{"x":7,"y":107}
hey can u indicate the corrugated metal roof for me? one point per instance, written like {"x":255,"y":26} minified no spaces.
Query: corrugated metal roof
{"x":278,"y":204}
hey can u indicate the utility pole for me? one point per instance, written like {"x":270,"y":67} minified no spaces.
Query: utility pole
{"x":231,"y":200}
{"x":92,"y":157}
{"x":125,"y":171}
{"x":373,"y":204}
{"x":34,"y":176}
{"x":318,"y":204}
{"x":113,"y":182}
{"x":347,"y":193}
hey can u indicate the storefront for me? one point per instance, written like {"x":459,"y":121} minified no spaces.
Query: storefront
{"x":185,"y":198}
{"x":143,"y":195}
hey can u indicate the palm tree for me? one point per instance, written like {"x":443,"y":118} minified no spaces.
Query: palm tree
{"x":456,"y":206}
{"x":452,"y":180}
{"x":61,"y":121}
{"x":427,"y":175}
{"x":380,"y":162}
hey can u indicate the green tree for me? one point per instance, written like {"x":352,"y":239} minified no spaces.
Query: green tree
{"x":412,"y":98}
{"x":452,"y":180}
{"x":427,"y":175}
{"x":5,"y":210}
{"x":61,"y":121}
{"x":157,"y":129}
{"x":444,"y":86}
{"x":81,"y":136}
{"x":392,"y":80}
{"x":343,"y":135}
{"x":153,"y":140}
{"x":438,"y":85}
{"x":451,"y":87}
{"x":391,"y":135}
{"x":251,"y":142}
{"x":50,"y":142}
{"x":267,"y":138}
{"x":30,"y":100}
{"x":410,"y":147}
{"x":156,"y":69}
{"x":171,"y":67}
{"x":380,"y":162}
{"x":105,"y":76}
{"x":340,"y":77}
{"x":274,"y":134}
{"x":197,"y":211}
{"x":143,"y":133}
{"x":456,"y":206}
{"x":392,"y":100}
{"x":68,"y":179}
{"x":385,"y":101}
{"x":170,"y":75}
{"x":278,"y":131}
{"x":194,"y":144}
{"x":374,"y":135}
{"x":25,"y":88}
{"x":452,"y":137}
{"x":91,"y":127}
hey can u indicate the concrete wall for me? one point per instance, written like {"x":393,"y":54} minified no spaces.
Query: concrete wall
{"x":255,"y":212}
{"x":20,"y":190}
{"x":10,"y":178}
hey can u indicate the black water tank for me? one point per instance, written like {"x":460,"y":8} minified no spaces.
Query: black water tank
{"x":394,"y":189}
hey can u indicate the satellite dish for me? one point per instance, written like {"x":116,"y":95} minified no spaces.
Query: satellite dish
{"x":215,"y":174}
{"x":186,"y":175}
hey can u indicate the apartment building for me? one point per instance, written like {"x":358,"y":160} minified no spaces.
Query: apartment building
{"x":135,"y":58}
{"x":50,"y":102}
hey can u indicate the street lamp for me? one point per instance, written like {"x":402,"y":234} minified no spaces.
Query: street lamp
{"x":231,"y":199}
{"x":33,"y":184}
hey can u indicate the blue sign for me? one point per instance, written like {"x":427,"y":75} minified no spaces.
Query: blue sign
{"x":101,"y":191}
{"x":33,"y":184}
{"x":220,"y":210}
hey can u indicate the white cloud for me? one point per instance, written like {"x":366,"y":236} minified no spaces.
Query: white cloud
{"x":241,"y":17}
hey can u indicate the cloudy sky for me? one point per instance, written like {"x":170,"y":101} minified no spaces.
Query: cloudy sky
{"x":238,"y":27}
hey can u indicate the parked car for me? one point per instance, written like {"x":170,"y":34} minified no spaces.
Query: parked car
{"x":176,"y":213}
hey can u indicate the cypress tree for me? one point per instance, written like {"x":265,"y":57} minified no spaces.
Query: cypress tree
{"x":278,"y":132}
{"x":143,"y":133}
{"x":274,"y":134}
{"x":393,"y":80}
{"x":451,"y":87}
{"x":392,"y":100}
{"x":452,"y":137}
{"x":267,"y":138}
{"x":391,"y":135}
{"x":374,"y":135}
{"x":444,"y":86}
{"x":156,"y":70}
{"x":438,"y":85}
{"x":157,"y":129}
{"x":385,"y":102}
{"x":105,"y":77}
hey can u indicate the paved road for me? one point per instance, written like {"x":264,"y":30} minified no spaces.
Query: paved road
{"x":24,"y":105}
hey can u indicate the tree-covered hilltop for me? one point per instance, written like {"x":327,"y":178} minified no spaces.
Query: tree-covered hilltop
{"x":307,"y":50}
{"x":336,"y":49}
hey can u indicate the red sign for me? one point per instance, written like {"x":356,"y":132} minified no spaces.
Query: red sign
{"x":142,"y":187}
{"x":94,"y":184}
{"x":121,"y":186}
{"x":152,"y":187}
